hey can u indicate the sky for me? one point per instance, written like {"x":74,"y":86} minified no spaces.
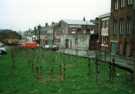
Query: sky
{"x":21,"y":15}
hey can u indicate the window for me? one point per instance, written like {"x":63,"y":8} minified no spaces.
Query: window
{"x":107,"y":23}
{"x":121,"y":27}
{"x":104,"y":24}
{"x":129,"y":27}
{"x":122,"y":4}
{"x":130,"y":2}
{"x":67,"y":43}
{"x":115,"y":27}
{"x":116,"y":4}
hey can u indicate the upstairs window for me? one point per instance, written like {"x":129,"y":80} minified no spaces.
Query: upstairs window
{"x":122,"y":3}
{"x":107,"y":23}
{"x":116,"y":4}
{"x":104,"y":24}
{"x":115,"y":27}
{"x":130,"y":2}
{"x":129,"y":27}
{"x":122,"y":28}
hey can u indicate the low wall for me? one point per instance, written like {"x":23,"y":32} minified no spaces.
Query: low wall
{"x":77,"y":52}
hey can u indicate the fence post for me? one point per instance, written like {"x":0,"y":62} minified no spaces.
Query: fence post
{"x":112,"y":69}
{"x":97,"y":70}
{"x":89,"y":66}
{"x":62,"y":71}
{"x":13,"y":57}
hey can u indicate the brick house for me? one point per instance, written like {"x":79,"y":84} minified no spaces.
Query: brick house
{"x":103,"y":29}
{"x":123,"y":26}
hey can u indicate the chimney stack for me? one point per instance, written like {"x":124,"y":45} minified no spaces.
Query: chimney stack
{"x":46,"y":24}
{"x":84,"y":19}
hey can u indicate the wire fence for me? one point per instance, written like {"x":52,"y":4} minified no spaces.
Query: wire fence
{"x":51,"y":66}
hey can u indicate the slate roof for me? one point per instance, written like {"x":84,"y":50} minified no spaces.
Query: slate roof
{"x":104,"y":15}
{"x":44,"y":30}
{"x":78,"y":22}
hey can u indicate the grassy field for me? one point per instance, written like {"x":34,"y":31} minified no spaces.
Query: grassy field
{"x":45,"y":72}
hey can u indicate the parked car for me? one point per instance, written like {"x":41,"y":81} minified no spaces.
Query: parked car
{"x":3,"y":49}
{"x":50,"y":47}
{"x":55,"y":47}
{"x":30,"y":45}
{"x":47,"y":46}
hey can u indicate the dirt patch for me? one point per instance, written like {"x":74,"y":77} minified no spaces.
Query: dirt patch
{"x":70,"y":66}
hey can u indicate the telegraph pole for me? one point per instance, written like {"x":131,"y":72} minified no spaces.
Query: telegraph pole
{"x":39,"y":31}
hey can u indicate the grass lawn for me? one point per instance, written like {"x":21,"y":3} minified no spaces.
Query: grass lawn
{"x":18,"y":76}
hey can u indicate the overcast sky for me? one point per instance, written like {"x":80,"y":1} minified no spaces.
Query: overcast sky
{"x":25,"y":14}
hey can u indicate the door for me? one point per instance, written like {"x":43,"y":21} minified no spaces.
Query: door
{"x":67,"y":43}
{"x":114,"y":48}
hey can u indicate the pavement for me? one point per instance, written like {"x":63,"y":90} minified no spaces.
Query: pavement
{"x":121,"y":61}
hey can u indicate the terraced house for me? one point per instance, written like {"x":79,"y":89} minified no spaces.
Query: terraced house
{"x":123,"y":27}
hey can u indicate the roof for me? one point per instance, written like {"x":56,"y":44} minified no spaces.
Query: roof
{"x":44,"y":30}
{"x":104,"y":15}
{"x":78,"y":22}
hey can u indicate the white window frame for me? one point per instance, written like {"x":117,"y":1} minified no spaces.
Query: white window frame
{"x":121,"y":27}
{"x":130,"y":2}
{"x":123,"y":3}
{"x":129,"y":27}
{"x":116,"y":5}
{"x":115,"y":26}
